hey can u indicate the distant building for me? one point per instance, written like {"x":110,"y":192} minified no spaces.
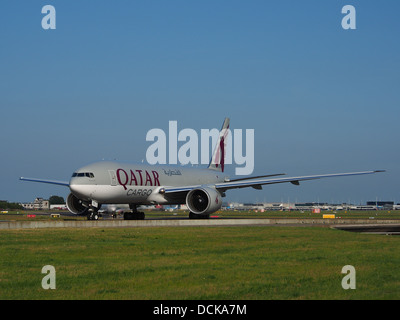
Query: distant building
{"x":38,"y":204}
{"x":58,"y":207}
{"x":386,"y":205}
{"x":309,"y":206}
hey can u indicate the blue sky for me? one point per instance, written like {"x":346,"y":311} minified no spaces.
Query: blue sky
{"x":321,"y":99}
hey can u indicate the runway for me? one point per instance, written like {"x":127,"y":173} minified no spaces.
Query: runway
{"x":355,"y":225}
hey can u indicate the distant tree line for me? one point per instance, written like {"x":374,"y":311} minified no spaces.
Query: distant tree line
{"x":56,"y":200}
{"x":10,"y":205}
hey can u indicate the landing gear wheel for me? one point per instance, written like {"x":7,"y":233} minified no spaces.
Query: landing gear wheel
{"x":93,"y":216}
{"x":134,"y":215}
{"x":93,"y":211}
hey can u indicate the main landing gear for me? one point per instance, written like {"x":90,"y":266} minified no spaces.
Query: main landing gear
{"x":198,"y":216}
{"x":134,"y":215}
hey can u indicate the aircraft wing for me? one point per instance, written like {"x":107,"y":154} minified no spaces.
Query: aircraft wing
{"x":60,"y":183}
{"x":257,"y":183}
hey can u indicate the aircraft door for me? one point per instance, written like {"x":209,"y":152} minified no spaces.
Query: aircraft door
{"x":113,"y":177}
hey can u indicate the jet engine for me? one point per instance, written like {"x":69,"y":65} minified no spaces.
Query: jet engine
{"x":75,"y":205}
{"x":203,"y":200}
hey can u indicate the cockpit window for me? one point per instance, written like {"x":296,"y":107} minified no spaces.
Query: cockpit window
{"x":83,"y":174}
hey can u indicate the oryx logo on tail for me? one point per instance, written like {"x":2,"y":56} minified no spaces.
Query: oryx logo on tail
{"x":218,"y":159}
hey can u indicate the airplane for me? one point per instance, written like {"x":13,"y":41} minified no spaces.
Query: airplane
{"x":113,"y":209}
{"x":201,"y":189}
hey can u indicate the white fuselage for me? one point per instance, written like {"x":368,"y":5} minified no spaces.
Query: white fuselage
{"x":125,"y":183}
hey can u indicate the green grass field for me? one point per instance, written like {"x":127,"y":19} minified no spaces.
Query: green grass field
{"x":198,"y":263}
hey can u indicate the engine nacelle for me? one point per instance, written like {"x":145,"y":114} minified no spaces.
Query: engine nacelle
{"x":203,"y":200}
{"x":75,"y":205}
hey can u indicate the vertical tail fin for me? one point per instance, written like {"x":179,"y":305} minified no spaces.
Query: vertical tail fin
{"x":217,"y":161}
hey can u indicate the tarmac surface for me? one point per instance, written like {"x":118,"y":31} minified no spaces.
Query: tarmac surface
{"x":388,"y":227}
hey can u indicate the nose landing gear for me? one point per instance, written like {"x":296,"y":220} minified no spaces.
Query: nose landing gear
{"x":93,"y":211}
{"x":93,"y":215}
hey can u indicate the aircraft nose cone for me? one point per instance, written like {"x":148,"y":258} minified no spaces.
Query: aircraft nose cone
{"x":81,"y":191}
